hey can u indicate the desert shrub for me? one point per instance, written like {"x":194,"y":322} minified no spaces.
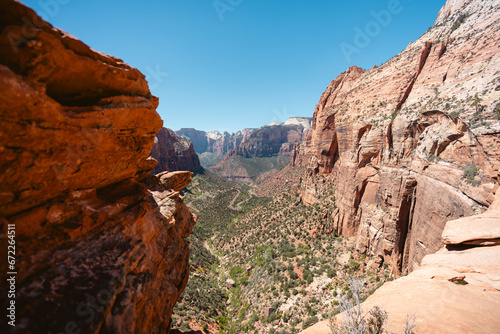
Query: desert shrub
{"x":357,"y":321}
{"x":331,"y":273}
{"x":470,"y":173}
{"x":353,"y":267}
{"x":184,"y":327}
{"x":496,"y":111}
{"x":235,"y":272}
{"x":458,"y":22}
{"x":309,"y":322}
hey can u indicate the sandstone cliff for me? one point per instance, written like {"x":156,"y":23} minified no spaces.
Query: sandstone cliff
{"x":97,"y":250}
{"x":214,"y":141}
{"x":174,"y":153}
{"x":413,"y":143}
{"x":274,"y":139}
{"x":456,"y":290}
{"x":264,"y":152}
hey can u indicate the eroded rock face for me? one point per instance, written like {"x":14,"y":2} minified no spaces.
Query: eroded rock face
{"x":174,"y":153}
{"x":214,"y":141}
{"x":401,"y":161}
{"x":99,"y":247}
{"x":82,"y":111}
{"x":110,"y":260}
{"x":456,"y":289}
{"x":272,"y":140}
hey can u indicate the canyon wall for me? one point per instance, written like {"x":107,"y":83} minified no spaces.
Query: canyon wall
{"x":99,"y":246}
{"x":456,"y":290}
{"x":214,"y":141}
{"x":271,"y":140}
{"x":264,"y":152}
{"x":174,"y":153}
{"x":413,"y":143}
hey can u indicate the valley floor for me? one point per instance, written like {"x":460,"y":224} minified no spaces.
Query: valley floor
{"x":265,"y":264}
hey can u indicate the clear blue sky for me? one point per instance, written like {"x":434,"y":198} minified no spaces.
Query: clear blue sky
{"x":264,"y":61}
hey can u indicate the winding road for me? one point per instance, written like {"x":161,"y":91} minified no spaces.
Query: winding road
{"x":238,"y":206}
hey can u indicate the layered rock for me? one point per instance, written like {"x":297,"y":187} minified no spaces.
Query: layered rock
{"x":214,"y":141}
{"x":401,"y":161}
{"x":99,"y":248}
{"x":456,"y":290}
{"x":264,"y":152}
{"x":174,"y":153}
{"x":274,"y":139}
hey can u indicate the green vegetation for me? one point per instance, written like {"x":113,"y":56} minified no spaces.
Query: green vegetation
{"x":476,"y":103}
{"x":394,"y":114}
{"x":250,"y":168}
{"x":209,"y":159}
{"x":470,"y":173}
{"x":282,"y":255}
{"x":433,"y":158}
{"x":458,"y":22}
{"x":496,"y":111}
{"x":205,"y":298}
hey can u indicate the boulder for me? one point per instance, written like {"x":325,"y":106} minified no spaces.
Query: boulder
{"x":175,"y":180}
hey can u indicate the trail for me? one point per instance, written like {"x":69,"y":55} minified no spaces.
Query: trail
{"x":192,"y":207}
{"x":233,"y":200}
{"x":238,"y":206}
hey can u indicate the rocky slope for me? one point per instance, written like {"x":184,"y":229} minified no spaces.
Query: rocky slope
{"x":456,"y":290}
{"x":174,"y":153}
{"x":413,"y":143}
{"x":212,"y":146}
{"x":99,"y":248}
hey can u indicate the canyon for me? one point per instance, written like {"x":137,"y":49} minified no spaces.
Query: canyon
{"x":395,"y":141}
{"x":123,"y":225}
{"x":275,"y":139}
{"x":264,"y":152}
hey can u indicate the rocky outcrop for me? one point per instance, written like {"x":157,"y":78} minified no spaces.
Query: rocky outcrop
{"x":456,"y":290}
{"x":174,"y":153}
{"x":99,"y":247}
{"x":413,"y":143}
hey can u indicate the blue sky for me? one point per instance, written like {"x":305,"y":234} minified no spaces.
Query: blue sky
{"x":233,"y":64}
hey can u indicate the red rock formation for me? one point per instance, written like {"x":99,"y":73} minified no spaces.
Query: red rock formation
{"x":97,"y":251}
{"x":174,"y":153}
{"x":275,"y":140}
{"x":390,"y":140}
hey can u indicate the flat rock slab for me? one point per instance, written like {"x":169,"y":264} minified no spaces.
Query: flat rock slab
{"x":477,"y":259}
{"x":483,"y":229}
{"x":439,"y":307}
